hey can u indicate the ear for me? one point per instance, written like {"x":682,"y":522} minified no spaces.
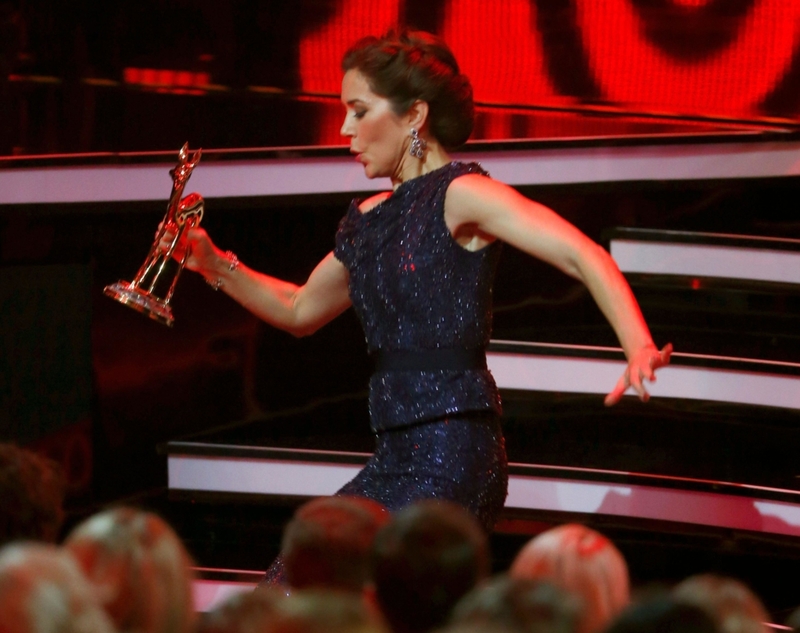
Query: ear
{"x":417,"y":115}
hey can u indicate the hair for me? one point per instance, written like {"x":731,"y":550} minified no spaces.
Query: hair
{"x":519,"y":604}
{"x":140,"y":567}
{"x":405,"y":66}
{"x":582,"y":562}
{"x":32,"y":488}
{"x":42,"y":589}
{"x":429,"y":556}
{"x":245,"y":612}
{"x":730,"y":603}
{"x":328,"y":542}
{"x":313,"y":611}
{"x":664,"y":615}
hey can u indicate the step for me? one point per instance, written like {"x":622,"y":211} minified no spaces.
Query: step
{"x":698,"y":254}
{"x":292,"y":473}
{"x":587,"y":369}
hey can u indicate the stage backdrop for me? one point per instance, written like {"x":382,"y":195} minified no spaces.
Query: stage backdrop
{"x":91,"y":75}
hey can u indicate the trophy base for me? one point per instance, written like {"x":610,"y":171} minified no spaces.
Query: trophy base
{"x":140,"y":301}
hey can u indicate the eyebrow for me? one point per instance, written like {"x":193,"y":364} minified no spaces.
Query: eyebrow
{"x":354,"y":101}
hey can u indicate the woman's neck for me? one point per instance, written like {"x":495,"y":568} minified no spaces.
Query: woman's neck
{"x":411,"y":167}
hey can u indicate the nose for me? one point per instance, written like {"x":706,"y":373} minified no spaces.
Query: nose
{"x":345,"y":129}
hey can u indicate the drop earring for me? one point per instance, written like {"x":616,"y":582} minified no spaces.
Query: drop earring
{"x":418,"y":144}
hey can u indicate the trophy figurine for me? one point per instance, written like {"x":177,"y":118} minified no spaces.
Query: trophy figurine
{"x":151,"y":290}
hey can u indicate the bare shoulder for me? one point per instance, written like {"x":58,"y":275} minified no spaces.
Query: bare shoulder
{"x":470,"y":196}
{"x":373,"y":201}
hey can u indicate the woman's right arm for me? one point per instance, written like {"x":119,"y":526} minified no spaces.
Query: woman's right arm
{"x":299,"y":310}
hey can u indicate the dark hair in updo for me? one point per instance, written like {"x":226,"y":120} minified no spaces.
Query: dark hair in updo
{"x":404,"y":66}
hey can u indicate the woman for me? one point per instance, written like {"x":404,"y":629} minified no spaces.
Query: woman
{"x":417,"y":264}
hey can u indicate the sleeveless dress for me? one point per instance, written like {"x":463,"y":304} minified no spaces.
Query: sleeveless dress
{"x":415,"y":289}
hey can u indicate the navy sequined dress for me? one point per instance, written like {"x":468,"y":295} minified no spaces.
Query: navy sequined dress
{"x":414,"y":289}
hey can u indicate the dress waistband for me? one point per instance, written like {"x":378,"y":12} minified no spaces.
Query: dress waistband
{"x":430,"y":360}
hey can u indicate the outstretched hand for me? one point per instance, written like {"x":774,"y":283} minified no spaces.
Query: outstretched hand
{"x":641,"y":366}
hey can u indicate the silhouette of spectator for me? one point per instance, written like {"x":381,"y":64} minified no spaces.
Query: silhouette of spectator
{"x":424,"y":561}
{"x":662,"y":614}
{"x":520,"y":605}
{"x":582,"y":562}
{"x":327,"y":543}
{"x":32,"y":489}
{"x":140,"y":569}
{"x":42,"y":590}
{"x":734,"y":607}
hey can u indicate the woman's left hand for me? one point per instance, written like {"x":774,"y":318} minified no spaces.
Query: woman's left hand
{"x":642,"y":365}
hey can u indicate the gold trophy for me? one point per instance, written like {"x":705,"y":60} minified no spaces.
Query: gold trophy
{"x":151,"y":290}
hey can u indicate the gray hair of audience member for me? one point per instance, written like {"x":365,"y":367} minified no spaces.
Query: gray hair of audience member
{"x":424,"y":561}
{"x":732,"y":605}
{"x":583,"y":562}
{"x":327,"y":543}
{"x":246,"y":612}
{"x":322,"y":611}
{"x":519,"y":604}
{"x":662,"y":614}
{"x":43,"y":591}
{"x":32,"y":488}
{"x":140,"y":569}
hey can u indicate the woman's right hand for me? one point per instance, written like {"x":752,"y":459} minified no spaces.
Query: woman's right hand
{"x":195,"y":243}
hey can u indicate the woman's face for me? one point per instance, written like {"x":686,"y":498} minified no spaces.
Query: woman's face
{"x":378,"y":136}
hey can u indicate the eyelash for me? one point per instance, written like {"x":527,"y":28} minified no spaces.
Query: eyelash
{"x":360,"y":115}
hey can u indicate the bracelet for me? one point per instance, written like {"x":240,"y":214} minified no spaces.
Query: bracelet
{"x":233,"y":264}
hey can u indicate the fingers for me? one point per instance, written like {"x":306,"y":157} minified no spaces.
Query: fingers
{"x":616,"y":394}
{"x":636,"y":375}
{"x":664,"y":355}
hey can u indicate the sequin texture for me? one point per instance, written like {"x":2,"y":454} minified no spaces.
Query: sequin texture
{"x":415,"y":288}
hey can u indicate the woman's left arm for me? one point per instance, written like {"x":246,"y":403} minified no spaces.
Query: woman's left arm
{"x":481,"y":206}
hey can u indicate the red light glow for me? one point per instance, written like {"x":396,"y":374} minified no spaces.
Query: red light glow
{"x":631,"y":70}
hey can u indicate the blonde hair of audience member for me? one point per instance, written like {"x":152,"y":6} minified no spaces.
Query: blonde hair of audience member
{"x":140,"y":567}
{"x":583,"y":562}
{"x":328,"y":542}
{"x":43,"y":591}
{"x":734,"y":607}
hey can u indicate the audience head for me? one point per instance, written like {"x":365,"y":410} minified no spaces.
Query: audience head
{"x":520,"y":605}
{"x":32,"y":489}
{"x":307,"y":611}
{"x":314,"y":611}
{"x":328,"y":543}
{"x":406,"y":66}
{"x":42,"y":590}
{"x":662,"y":614}
{"x":140,"y":569}
{"x":733,"y":607}
{"x":428,"y":556}
{"x":247,"y":612}
{"x":582,"y":562}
